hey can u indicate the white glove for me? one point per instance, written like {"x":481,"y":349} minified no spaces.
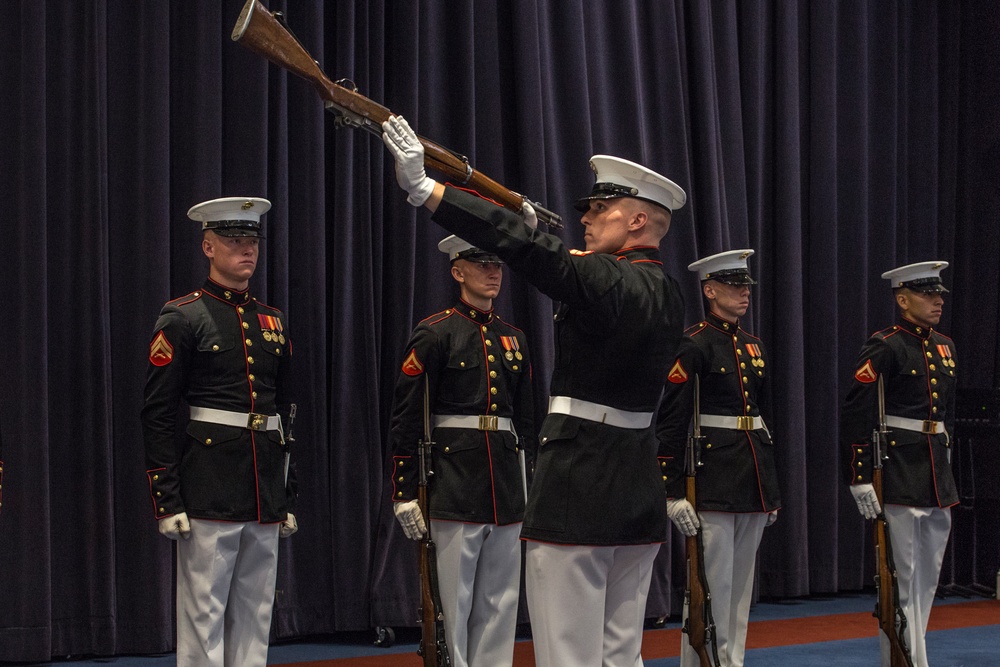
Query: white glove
{"x":408,"y":152}
{"x":771,"y":518}
{"x":175,"y":526}
{"x":288,"y":526}
{"x":864,"y":496}
{"x":683,"y":515}
{"x":409,"y":517}
{"x":530,"y":217}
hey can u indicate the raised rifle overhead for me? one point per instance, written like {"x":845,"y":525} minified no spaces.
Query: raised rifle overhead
{"x":267,"y":33}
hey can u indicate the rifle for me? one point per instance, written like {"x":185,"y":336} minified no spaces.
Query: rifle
{"x":433,"y":647}
{"x":267,"y":34}
{"x":700,"y":624}
{"x":890,"y":615}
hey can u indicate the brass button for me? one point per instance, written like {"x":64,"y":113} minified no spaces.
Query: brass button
{"x":447,"y":449}
{"x":240,"y":310}
{"x":161,"y":510}
{"x":514,"y":367}
{"x":484,"y":328}
{"x":250,"y":359}
{"x":215,"y":348}
{"x":246,"y":325}
{"x":491,"y":358}
{"x":743,"y":364}
{"x":252,"y":377}
{"x":930,"y":356}
{"x":859,"y":478}
{"x":401,"y":463}
{"x":489,"y":342}
{"x":399,"y":479}
{"x":933,"y":380}
{"x":934,"y":394}
{"x":461,"y":364}
{"x":746,"y":379}
{"x":722,"y":370}
{"x":926,"y":342}
{"x":208,"y":441}
{"x":249,"y":343}
{"x":399,"y":494}
{"x":860,"y":464}
{"x":892,"y":443}
{"x":708,"y":446}
{"x":277,"y":351}
{"x":913,"y":372}
{"x":254,"y":394}
{"x":860,"y":451}
{"x":493,"y":390}
{"x":746,"y":393}
{"x":663,"y":464}
{"x":735,"y":339}
{"x":158,"y":494}
{"x":493,"y":374}
{"x":493,"y":408}
{"x":933,"y":367}
{"x":156,"y":477}
{"x":664,"y":478}
{"x":739,"y":352}
{"x":934,"y":409}
{"x":760,"y":373}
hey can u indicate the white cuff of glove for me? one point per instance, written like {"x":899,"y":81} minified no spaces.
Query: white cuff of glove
{"x":289,"y":526}
{"x":683,"y":515}
{"x":410,"y":519}
{"x":421,"y":192}
{"x":530,"y":217}
{"x":771,"y":518}
{"x":176,"y":526}
{"x":864,"y":496}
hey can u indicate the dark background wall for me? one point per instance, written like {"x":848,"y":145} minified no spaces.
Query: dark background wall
{"x":838,"y":139}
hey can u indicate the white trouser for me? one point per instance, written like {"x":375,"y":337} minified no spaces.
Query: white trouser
{"x":479,"y":574}
{"x":225,"y":590}
{"x":587,"y":604}
{"x":918,"y":536}
{"x":730,"y":544}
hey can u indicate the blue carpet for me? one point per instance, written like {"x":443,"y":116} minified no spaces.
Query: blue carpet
{"x":963,"y":647}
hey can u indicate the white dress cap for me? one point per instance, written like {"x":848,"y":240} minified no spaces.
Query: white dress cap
{"x":620,"y":178}
{"x":457,"y":248}
{"x":920,"y":277}
{"x":728,"y":267}
{"x":231,"y":216}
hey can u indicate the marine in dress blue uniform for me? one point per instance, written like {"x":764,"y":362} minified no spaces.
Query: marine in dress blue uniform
{"x":224,"y":494}
{"x":477,"y":369}
{"x":918,"y":366}
{"x":596,"y":509}
{"x":737,"y":483}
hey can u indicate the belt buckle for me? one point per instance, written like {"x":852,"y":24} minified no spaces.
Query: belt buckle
{"x":256,"y":421}
{"x":744,"y":423}
{"x":928,"y":426}
{"x":489,"y":423}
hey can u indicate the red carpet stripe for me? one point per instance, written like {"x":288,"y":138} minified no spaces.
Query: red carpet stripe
{"x":761,"y":634}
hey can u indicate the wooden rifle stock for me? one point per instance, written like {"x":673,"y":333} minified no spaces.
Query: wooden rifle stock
{"x":264,"y":33}
{"x":888,"y":611}
{"x":433,"y":646}
{"x":700,"y":624}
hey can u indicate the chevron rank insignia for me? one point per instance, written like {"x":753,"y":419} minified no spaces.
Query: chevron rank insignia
{"x":677,"y":374}
{"x":412,"y":365}
{"x":866,"y":373}
{"x":161,"y":352}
